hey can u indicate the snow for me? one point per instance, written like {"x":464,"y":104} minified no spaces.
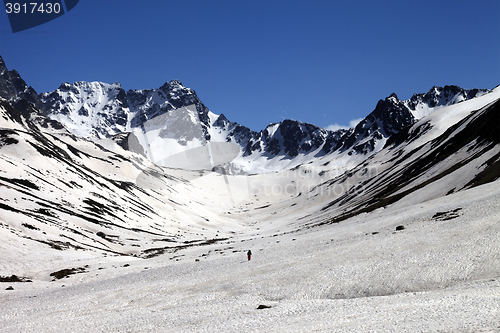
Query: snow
{"x":422,"y":110}
{"x":453,"y":113}
{"x":217,"y":134}
{"x":271,"y":129}
{"x":94,"y":98}
{"x":357,"y":276}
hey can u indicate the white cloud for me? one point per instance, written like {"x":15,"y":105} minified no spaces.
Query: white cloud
{"x":336,"y":127}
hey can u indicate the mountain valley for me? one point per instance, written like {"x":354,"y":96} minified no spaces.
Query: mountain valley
{"x":120,"y":196}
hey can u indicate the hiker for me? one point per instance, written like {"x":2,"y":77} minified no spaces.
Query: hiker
{"x":249,"y":254}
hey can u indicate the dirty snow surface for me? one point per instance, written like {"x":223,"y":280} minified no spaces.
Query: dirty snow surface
{"x":439,"y":273}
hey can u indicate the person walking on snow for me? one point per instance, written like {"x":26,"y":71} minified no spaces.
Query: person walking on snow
{"x":249,"y":254}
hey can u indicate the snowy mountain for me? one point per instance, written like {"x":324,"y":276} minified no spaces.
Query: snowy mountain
{"x":101,"y":110}
{"x":105,"y":158}
{"x":393,"y":115}
{"x":97,"y":110}
{"x":453,"y":149}
{"x":397,"y":215}
{"x":68,"y":192}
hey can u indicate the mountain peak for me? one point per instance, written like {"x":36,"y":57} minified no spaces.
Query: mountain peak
{"x":393,"y":96}
{"x":172,"y":85}
{"x":221,"y":121}
{"x":12,"y":86}
{"x":3,"y":67}
{"x":424,"y":104}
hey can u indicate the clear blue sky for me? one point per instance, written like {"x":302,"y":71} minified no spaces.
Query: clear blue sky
{"x":256,"y":61}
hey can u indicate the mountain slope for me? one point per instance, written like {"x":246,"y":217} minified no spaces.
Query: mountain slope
{"x":65,"y":193}
{"x":450,"y":150}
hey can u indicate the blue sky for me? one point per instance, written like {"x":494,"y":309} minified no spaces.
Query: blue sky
{"x":322,"y":62}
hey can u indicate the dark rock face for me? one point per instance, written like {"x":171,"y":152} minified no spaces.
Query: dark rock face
{"x":11,"y":83}
{"x":175,"y":95}
{"x":128,"y":141}
{"x":14,"y":88}
{"x":389,"y":117}
{"x":300,"y":137}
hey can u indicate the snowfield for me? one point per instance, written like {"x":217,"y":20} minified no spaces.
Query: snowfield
{"x":441,"y":273}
